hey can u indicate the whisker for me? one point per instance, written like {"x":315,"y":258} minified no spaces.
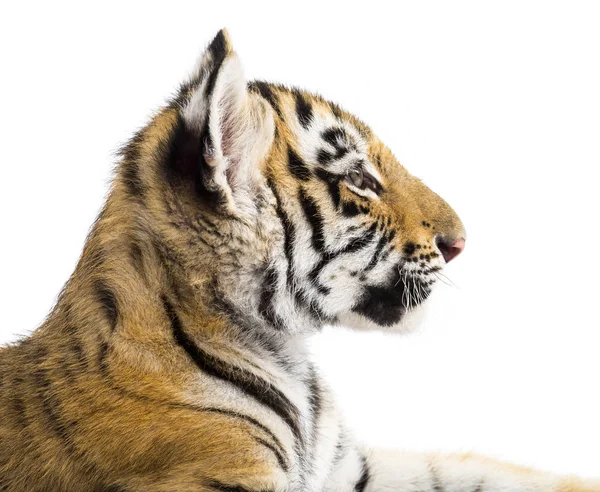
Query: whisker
{"x":442,"y":280}
{"x":399,"y":274}
{"x":449,"y":279}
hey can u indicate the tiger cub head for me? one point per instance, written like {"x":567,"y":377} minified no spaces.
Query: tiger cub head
{"x":288,"y":210}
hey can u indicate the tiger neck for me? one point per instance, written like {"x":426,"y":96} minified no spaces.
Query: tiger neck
{"x":130,"y":282}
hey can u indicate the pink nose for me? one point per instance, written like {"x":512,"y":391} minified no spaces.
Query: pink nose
{"x":450,"y":251}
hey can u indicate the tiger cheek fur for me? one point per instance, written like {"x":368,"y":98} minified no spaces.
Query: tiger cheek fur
{"x":361,"y":257}
{"x":242,"y":218}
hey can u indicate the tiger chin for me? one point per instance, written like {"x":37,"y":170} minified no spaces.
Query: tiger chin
{"x":242,"y":218}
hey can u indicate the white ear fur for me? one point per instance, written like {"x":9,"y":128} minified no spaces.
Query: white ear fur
{"x":229,"y":127}
{"x":240,"y":131}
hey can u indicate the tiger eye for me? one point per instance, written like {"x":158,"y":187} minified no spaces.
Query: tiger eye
{"x":356,"y":178}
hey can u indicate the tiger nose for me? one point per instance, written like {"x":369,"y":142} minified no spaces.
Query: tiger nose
{"x":450,"y":250}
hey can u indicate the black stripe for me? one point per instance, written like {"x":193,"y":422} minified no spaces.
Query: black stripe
{"x":270,"y":344}
{"x":131,"y":150}
{"x":376,"y":254}
{"x":184,"y":164}
{"x":137,"y":257}
{"x":38,"y":353}
{"x":181,"y":98}
{"x":297,"y":166}
{"x":350,"y":209}
{"x":324,"y":157}
{"x":334,"y":191}
{"x":354,"y":245}
{"x":322,"y":289}
{"x":311,"y":211}
{"x":340,"y":451}
{"x":316,"y":270}
{"x":304,"y":110}
{"x":282,"y":463}
{"x":333,"y":136}
{"x":108,"y":301}
{"x":50,"y":405}
{"x":65,"y":369}
{"x":280,"y":450}
{"x":339,"y":140}
{"x":221,"y":487}
{"x":218,"y":46}
{"x":314,"y":400}
{"x":256,"y":387}
{"x":303,"y":299}
{"x":313,"y":275}
{"x":103,"y":349}
{"x":111,"y":488}
{"x":336,"y":110}
{"x":249,"y":420}
{"x":75,"y":346}
{"x":266,"y":307}
{"x":436,"y":484}
{"x":357,"y":243}
{"x":16,"y":402}
{"x":218,"y":49}
{"x":333,"y":185}
{"x":277,"y":448}
{"x":361,"y":485}
{"x":130,"y":175}
{"x":479,"y":487}
{"x":61,"y":424}
{"x":266,"y":91}
{"x":289,"y":233}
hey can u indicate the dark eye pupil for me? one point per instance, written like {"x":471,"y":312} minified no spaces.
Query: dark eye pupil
{"x":357,"y":178}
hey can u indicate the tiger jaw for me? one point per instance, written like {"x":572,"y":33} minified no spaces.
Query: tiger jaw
{"x":386,"y":305}
{"x":376,"y":283}
{"x":408,"y":322}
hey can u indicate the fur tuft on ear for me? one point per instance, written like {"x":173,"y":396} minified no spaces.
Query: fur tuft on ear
{"x":233,"y":129}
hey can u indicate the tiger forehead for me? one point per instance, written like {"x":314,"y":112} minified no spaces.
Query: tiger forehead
{"x":292,"y":105}
{"x":275,"y":93}
{"x":382,"y":157}
{"x":316,"y":127}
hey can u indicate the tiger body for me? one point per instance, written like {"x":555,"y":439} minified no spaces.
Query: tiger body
{"x":242,"y":218}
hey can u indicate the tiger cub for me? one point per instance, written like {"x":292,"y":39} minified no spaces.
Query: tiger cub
{"x":242,"y":218}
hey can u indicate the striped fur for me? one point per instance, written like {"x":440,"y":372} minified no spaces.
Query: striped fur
{"x":241,"y":219}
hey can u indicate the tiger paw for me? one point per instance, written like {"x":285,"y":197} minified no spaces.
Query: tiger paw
{"x":576,"y":485}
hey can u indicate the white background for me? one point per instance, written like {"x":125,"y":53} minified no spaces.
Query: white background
{"x":495,"y":106}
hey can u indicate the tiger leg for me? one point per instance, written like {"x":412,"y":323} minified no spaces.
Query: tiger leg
{"x":406,"y":472}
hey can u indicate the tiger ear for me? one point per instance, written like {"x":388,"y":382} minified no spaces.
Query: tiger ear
{"x":231,"y":129}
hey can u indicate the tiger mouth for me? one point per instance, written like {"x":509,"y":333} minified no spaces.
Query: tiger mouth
{"x":387,"y":304}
